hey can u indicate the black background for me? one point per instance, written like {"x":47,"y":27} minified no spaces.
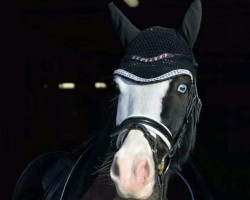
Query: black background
{"x":51,"y":41}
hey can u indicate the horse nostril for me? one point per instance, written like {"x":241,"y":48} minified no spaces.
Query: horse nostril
{"x":142,"y":171}
{"x":115,"y":169}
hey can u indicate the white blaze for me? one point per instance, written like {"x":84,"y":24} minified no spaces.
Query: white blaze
{"x":137,"y":100}
{"x":140,"y":99}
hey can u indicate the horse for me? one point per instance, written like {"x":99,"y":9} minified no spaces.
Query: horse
{"x":152,"y":127}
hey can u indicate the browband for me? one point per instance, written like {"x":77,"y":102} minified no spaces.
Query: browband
{"x":171,"y":74}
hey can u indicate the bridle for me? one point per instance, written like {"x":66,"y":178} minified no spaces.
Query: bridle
{"x":153,"y":129}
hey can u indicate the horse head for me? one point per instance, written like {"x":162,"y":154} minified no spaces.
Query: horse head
{"x":158,"y":105}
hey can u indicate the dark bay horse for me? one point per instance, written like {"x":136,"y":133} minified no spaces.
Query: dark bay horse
{"x":152,"y":127}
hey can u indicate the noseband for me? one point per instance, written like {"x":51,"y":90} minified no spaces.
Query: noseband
{"x":153,"y":129}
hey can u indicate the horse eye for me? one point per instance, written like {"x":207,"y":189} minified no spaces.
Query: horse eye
{"x":182,"y":88}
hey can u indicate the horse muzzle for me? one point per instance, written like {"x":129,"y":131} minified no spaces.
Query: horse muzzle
{"x":133,"y":169}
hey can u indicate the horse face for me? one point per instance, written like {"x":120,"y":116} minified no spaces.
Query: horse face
{"x":133,"y":169}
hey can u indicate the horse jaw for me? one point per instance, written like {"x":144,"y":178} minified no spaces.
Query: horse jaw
{"x":133,"y":168}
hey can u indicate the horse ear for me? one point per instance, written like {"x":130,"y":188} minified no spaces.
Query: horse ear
{"x":125,"y":29}
{"x":190,"y":26}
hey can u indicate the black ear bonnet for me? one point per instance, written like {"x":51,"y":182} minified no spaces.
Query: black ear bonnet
{"x":157,"y":53}
{"x":156,"y":44}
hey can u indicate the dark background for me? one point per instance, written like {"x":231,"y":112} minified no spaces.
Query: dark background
{"x":52,"y":41}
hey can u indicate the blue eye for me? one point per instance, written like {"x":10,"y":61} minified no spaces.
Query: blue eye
{"x":182,"y":88}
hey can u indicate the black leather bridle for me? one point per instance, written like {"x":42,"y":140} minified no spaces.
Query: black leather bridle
{"x":143,"y":124}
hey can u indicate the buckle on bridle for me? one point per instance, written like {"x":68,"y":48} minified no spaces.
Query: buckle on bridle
{"x":162,"y":168}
